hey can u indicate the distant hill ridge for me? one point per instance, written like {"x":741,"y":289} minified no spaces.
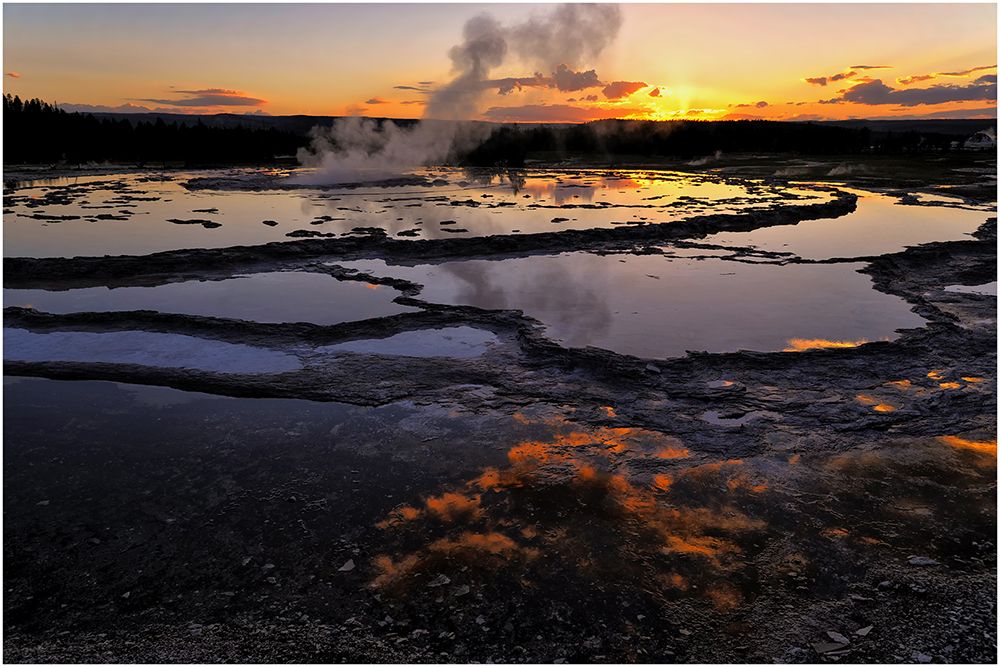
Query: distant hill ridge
{"x":301,"y":124}
{"x":37,"y":132}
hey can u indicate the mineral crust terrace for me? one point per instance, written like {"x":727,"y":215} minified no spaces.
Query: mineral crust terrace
{"x":809,"y":397}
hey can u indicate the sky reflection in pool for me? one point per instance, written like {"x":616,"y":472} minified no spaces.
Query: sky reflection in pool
{"x":455,"y":342}
{"x":985,"y":288}
{"x":651,"y":306}
{"x":145,"y":348}
{"x":880,"y":225}
{"x":260,"y":297}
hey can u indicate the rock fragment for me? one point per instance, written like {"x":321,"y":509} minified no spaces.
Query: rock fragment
{"x":837,"y":637}
{"x":440,"y":580}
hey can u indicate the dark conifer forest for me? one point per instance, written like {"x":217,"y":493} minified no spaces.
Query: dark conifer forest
{"x":36,"y":132}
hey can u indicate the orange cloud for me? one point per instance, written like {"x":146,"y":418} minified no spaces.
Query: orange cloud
{"x":14,"y":74}
{"x":846,"y":74}
{"x":907,"y":80}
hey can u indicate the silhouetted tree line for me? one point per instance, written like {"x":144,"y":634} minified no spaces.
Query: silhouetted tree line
{"x":37,"y":132}
{"x":508,"y":145}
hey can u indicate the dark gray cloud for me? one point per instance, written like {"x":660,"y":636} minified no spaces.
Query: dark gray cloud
{"x":566,"y":80}
{"x":621,"y":89}
{"x":968,"y":71}
{"x":419,"y":90}
{"x":870,"y":67}
{"x":210,"y":101}
{"x":508,"y":85}
{"x":210,"y":97}
{"x":376,"y":100}
{"x":563,"y":79}
{"x":874,"y":93}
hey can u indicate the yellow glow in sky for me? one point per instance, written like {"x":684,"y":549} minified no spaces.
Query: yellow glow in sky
{"x":538,"y":62}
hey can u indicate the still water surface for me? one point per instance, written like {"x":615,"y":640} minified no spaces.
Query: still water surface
{"x":654,"y":306}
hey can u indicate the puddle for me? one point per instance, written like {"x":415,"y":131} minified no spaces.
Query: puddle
{"x":141,"y":214}
{"x":260,"y":297}
{"x":145,"y":348}
{"x":985,"y":288}
{"x":455,"y":342}
{"x":651,"y":306}
{"x":878,"y":226}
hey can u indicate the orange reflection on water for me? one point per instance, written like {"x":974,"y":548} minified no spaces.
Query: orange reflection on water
{"x":625,"y":183}
{"x":672,"y":452}
{"x":876,"y":404}
{"x":972,"y":379}
{"x":800,"y":344}
{"x":950,"y":385}
{"x":453,"y":506}
{"x":560,"y":496}
{"x":937,"y":374}
{"x":985,"y":446}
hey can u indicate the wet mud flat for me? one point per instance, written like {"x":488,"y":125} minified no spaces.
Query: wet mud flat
{"x":520,"y":501}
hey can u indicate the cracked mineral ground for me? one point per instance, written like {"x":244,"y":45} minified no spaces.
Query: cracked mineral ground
{"x":570,"y":415}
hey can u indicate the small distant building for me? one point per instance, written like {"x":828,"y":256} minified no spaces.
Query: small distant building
{"x":987,"y":139}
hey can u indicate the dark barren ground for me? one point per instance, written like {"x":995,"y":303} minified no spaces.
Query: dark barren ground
{"x":535,"y":504}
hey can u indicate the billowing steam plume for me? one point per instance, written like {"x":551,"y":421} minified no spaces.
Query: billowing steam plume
{"x":356,"y":149}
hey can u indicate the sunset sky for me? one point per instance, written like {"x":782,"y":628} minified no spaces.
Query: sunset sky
{"x":509,"y":62}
